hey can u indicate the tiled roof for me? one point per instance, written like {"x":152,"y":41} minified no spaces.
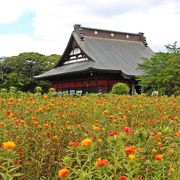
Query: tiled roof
{"x":106,"y":54}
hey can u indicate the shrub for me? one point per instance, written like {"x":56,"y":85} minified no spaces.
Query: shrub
{"x":120,"y":89}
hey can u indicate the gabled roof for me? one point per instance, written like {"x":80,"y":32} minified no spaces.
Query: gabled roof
{"x":106,"y":50}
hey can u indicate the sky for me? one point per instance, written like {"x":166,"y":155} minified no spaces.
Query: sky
{"x":45,"y":26}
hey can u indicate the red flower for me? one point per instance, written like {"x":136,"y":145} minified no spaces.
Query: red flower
{"x":86,"y":131}
{"x":130,"y":150}
{"x":127,"y":130}
{"x":16,"y":162}
{"x":53,"y":123}
{"x":153,"y":121}
{"x":94,"y":137}
{"x":74,"y":144}
{"x":48,"y":133}
{"x":122,"y":178}
{"x":158,"y":157}
{"x":112,"y":133}
{"x":101,"y":162}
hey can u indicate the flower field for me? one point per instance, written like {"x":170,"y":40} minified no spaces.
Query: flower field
{"x":89,"y":137}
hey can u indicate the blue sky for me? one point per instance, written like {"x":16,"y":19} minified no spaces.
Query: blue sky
{"x":22,"y":25}
{"x":45,"y":26}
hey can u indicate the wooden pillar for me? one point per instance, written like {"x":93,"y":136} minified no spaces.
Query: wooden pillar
{"x":133,"y":90}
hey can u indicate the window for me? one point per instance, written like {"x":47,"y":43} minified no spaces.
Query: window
{"x":71,"y":91}
{"x":76,"y":56}
{"x":65,"y":91}
{"x":79,"y":91}
{"x":75,"y":51}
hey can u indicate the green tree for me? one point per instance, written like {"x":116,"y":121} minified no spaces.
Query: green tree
{"x":162,"y":72}
{"x":19,"y":70}
{"x":120,"y":89}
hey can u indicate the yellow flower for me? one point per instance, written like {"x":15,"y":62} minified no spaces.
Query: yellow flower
{"x":95,"y":128}
{"x":132,"y":157}
{"x":99,"y":140}
{"x":8,"y":145}
{"x":154,"y":150}
{"x":172,"y":170}
{"x":159,"y":133}
{"x":86,"y":142}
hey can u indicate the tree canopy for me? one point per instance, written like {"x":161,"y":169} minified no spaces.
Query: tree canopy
{"x":162,"y":71}
{"x":19,"y":70}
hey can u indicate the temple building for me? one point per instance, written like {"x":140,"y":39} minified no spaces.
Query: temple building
{"x":96,"y":59}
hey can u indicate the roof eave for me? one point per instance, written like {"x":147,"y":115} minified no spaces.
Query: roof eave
{"x":89,"y":70}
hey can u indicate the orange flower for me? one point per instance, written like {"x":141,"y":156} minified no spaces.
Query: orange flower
{"x":53,"y":123}
{"x":21,"y":122}
{"x":63,"y":173}
{"x":33,"y":118}
{"x":105,"y":112}
{"x":8,"y":145}
{"x":111,"y":116}
{"x":158,"y":139}
{"x":178,"y":133}
{"x":86,"y":142}
{"x":101,"y":162}
{"x":55,"y":137}
{"x":97,"y":121}
{"x":46,"y":126}
{"x":9,"y":111}
{"x":158,"y":157}
{"x":159,"y":133}
{"x":36,"y":123}
{"x":159,"y":143}
{"x":2,"y":124}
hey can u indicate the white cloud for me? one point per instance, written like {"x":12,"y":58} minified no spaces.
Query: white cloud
{"x":54,"y":21}
{"x":18,"y":43}
{"x":11,"y":10}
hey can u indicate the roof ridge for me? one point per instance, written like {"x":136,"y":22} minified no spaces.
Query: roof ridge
{"x":109,"y":34}
{"x":107,"y":30}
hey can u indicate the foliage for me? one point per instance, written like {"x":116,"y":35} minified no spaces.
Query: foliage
{"x":88,"y":137}
{"x":162,"y":72}
{"x":19,"y":70}
{"x":120,"y":89}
